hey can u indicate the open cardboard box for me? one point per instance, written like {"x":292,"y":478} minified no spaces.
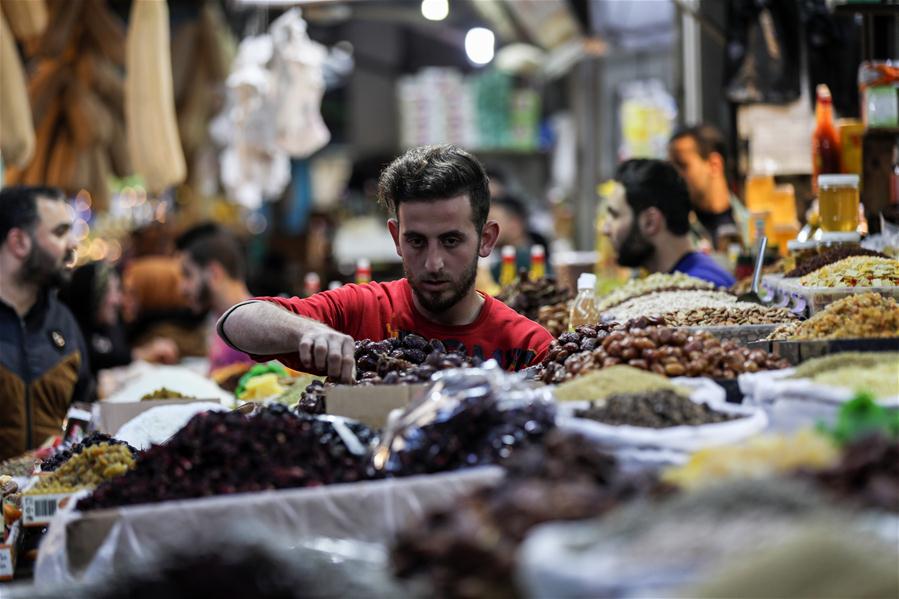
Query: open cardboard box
{"x":370,"y":404}
{"x":110,"y":416}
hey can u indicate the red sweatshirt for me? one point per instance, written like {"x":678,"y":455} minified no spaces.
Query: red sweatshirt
{"x":382,"y":310}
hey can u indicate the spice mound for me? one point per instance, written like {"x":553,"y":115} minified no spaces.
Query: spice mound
{"x":653,"y":409}
{"x":864,"y":315}
{"x":855,"y":271}
{"x":654,"y":282}
{"x":87,"y":469}
{"x":615,"y":380}
{"x":829,"y":256}
{"x":163,"y":393}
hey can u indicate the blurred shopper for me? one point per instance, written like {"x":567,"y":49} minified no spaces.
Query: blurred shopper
{"x":649,"y":223}
{"x":95,"y":298}
{"x":511,"y":214}
{"x":698,"y":153}
{"x":440,"y":201}
{"x":213,"y":275}
{"x":43,"y":358}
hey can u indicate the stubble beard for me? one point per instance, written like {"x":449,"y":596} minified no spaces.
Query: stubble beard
{"x":445,"y":300}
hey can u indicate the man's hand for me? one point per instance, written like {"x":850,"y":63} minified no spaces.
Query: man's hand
{"x":325,"y":350}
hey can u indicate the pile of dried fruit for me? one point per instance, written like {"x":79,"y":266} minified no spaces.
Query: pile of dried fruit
{"x":21,"y":466}
{"x":86,"y":469}
{"x":219,"y":453}
{"x":469,"y":549}
{"x":814,"y":261}
{"x":651,"y":284}
{"x":467,"y":419}
{"x":528,"y":297}
{"x":855,"y":271}
{"x":555,"y":318}
{"x":867,"y":473}
{"x":736,"y":314}
{"x":62,"y":454}
{"x":858,"y":316}
{"x":659,"y":349}
{"x":652,"y":409}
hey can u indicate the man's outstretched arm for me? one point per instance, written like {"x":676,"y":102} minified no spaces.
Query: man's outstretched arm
{"x":262,"y":328}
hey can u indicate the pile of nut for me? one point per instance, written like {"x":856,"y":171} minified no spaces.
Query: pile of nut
{"x":855,"y":271}
{"x":555,"y":318}
{"x":86,"y":469}
{"x":653,"y":283}
{"x":219,"y":453}
{"x":662,"y":303}
{"x":528,"y":297}
{"x":737,"y":314}
{"x":645,"y":345}
{"x":857,"y":316}
{"x":814,"y":260}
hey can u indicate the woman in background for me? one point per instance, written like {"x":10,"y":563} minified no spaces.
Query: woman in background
{"x":95,"y":297}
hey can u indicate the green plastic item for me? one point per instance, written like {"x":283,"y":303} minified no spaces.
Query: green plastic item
{"x":862,"y":416}
{"x":256,"y":371}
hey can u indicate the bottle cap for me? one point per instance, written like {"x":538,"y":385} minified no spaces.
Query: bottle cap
{"x":837,"y":181}
{"x":538,"y":251}
{"x":586,"y":281}
{"x":508,"y":251}
{"x":363,"y":264}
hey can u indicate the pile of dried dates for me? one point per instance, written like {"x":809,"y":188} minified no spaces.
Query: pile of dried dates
{"x":527,"y":297}
{"x":642,"y":343}
{"x":469,"y":549}
{"x":219,"y":453}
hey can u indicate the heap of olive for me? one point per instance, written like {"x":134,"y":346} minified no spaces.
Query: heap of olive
{"x":644,"y":344}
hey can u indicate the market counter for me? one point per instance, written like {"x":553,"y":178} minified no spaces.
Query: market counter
{"x":91,"y":546}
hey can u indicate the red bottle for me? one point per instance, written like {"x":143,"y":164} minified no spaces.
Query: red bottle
{"x":825,"y":141}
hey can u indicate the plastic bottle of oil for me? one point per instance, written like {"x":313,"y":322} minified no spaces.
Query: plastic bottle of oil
{"x":507,"y":269}
{"x":538,"y":262}
{"x":584,"y":310}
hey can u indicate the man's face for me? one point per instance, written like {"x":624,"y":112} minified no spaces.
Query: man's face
{"x":52,"y":255}
{"x":632,"y":249}
{"x":695,"y":170}
{"x":195,"y":285}
{"x":511,"y":228}
{"x":439,"y":245}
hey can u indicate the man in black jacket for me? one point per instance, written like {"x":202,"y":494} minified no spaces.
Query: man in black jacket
{"x":43,"y":361}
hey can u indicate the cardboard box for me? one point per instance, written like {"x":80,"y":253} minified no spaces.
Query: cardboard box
{"x":370,"y":404}
{"x":9,"y":550}
{"x":110,"y":416}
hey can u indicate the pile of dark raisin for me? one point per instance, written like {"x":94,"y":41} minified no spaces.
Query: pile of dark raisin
{"x":642,"y":343}
{"x":527,"y":296}
{"x":62,"y":455}
{"x":409,"y":360}
{"x":469,"y":549}
{"x":219,"y":453}
{"x":469,"y":427}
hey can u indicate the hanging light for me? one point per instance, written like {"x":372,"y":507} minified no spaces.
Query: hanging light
{"x":434,"y":10}
{"x":479,"y":45}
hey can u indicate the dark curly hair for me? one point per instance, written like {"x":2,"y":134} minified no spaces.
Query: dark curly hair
{"x":656,"y":184}
{"x":430,"y":173}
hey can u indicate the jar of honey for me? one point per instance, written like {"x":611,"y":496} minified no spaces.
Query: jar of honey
{"x":838,"y":202}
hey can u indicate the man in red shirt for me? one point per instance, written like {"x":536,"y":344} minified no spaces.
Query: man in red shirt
{"x":439,"y":198}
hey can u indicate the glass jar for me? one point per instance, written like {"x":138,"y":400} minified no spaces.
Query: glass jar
{"x":838,"y":202}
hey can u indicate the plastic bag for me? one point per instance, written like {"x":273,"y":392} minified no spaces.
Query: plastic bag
{"x":467,"y":417}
